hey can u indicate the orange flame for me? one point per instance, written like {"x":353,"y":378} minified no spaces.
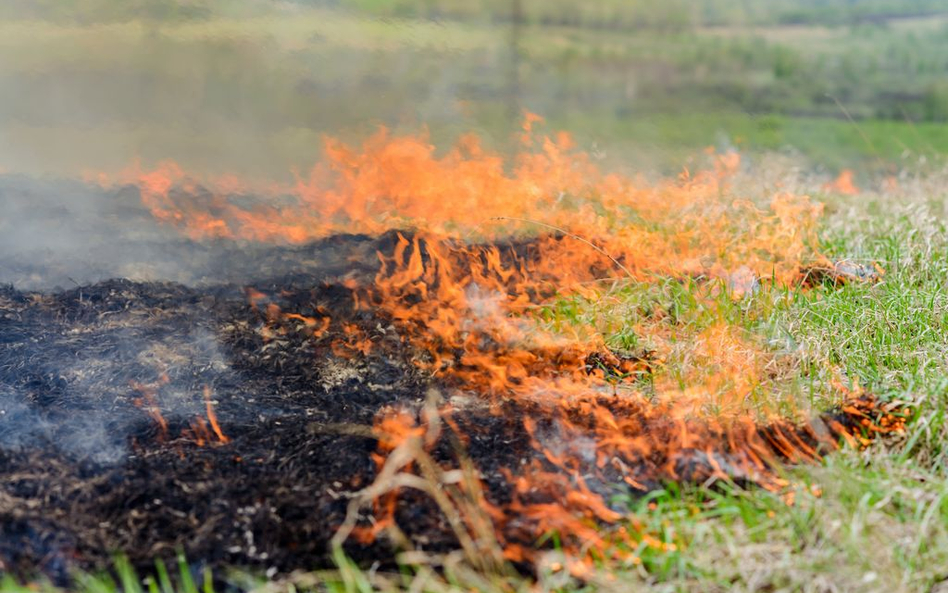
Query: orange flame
{"x":198,"y":430}
{"x":677,"y":227}
{"x":212,"y":417}
{"x":843,"y":184}
{"x":147,"y":402}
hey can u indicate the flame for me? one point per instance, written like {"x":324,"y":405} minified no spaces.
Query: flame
{"x":147,"y":401}
{"x":212,"y":417}
{"x":483,"y":244}
{"x":843,"y":184}
{"x":678,"y":227}
{"x":197,"y":431}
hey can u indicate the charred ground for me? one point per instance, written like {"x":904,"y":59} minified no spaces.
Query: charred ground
{"x":87,"y":471}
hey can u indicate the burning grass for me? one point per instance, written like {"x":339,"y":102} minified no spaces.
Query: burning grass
{"x":586,"y":339}
{"x":465,"y":309}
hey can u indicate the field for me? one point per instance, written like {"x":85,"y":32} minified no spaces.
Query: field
{"x":253,"y":88}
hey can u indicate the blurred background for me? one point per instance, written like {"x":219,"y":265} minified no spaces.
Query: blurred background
{"x":251,"y":86}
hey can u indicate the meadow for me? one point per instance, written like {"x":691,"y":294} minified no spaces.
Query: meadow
{"x":801,"y":93}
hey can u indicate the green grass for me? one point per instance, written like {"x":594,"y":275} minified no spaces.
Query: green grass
{"x":875,"y":520}
{"x":881,"y":522}
{"x":123,"y":577}
{"x":641,"y":14}
{"x":662,"y":140}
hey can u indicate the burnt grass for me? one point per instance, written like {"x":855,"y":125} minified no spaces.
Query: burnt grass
{"x":86,"y":471}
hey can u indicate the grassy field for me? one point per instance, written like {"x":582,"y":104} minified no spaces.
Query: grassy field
{"x":253,"y":91}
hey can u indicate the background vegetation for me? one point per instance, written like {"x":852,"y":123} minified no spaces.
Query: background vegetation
{"x":251,"y":85}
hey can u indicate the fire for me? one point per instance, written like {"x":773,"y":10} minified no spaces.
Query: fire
{"x":483,"y":245}
{"x":843,"y":184}
{"x":680,"y":227}
{"x":201,"y":431}
{"x":147,"y":402}
{"x":212,"y":417}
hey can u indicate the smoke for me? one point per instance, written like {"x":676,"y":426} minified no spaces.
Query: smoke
{"x":83,"y":436}
{"x":60,"y":234}
{"x":20,"y":425}
{"x":87,"y":395}
{"x":243,"y":87}
{"x":57,"y":234}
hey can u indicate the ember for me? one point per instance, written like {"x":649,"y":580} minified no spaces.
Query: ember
{"x":405,"y":368}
